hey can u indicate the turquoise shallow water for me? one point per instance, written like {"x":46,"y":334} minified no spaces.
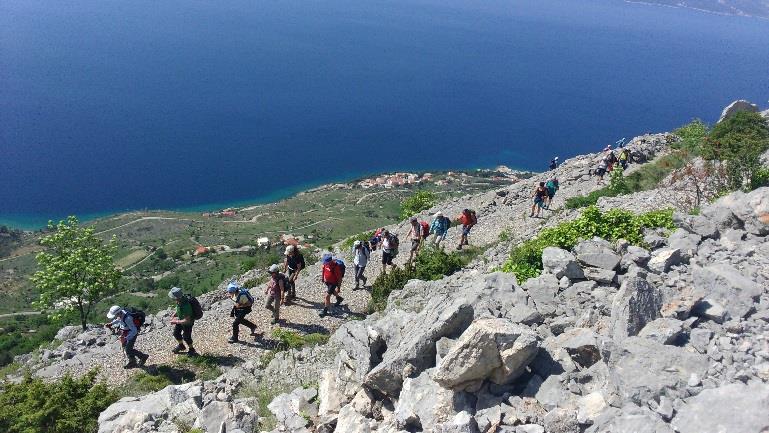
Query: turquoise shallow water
{"x":108,"y":106}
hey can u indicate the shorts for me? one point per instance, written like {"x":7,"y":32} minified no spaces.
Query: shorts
{"x":331,"y":288}
{"x":550,"y":193}
{"x":387,"y":257}
{"x":466,"y":230}
{"x":600,"y":172}
{"x":415,"y":244}
{"x":538,"y":201}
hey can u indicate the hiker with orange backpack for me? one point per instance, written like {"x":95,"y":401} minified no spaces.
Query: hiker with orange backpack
{"x":468,"y":219}
{"x":331,"y":275}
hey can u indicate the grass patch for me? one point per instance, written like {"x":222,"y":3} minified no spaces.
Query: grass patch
{"x":526,"y":259}
{"x":293,"y":340}
{"x":363,"y":237}
{"x":185,"y":369}
{"x":430,"y":264}
{"x":263,"y":396}
{"x":645,"y":178}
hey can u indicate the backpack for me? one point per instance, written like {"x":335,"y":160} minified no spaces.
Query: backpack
{"x":197,"y":309}
{"x":425,"y":229}
{"x":138,"y":315}
{"x":473,"y":217}
{"x":245,"y":291}
{"x":342,"y":268}
{"x":394,"y":243}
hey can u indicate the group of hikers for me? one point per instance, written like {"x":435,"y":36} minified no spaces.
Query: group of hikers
{"x":610,"y":160}
{"x":280,"y":289}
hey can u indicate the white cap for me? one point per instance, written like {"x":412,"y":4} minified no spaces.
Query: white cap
{"x":274,"y":268}
{"x":113,"y":310}
{"x":290,"y":248}
{"x":555,"y":157}
{"x":438,"y":214}
{"x":356,"y":243}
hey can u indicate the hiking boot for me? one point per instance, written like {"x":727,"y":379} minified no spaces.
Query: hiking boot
{"x":179,"y":349}
{"x":232,"y":340}
{"x":253,"y":332}
{"x":274,"y":321}
{"x":323,"y":313}
{"x":131,"y":364}
{"x":339,"y":300}
{"x":143,"y":360}
{"x":192,"y":352}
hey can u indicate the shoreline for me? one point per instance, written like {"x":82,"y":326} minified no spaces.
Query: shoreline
{"x":32,"y":223}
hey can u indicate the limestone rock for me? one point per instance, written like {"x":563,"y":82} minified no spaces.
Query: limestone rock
{"x":730,"y":408}
{"x":663,"y":259}
{"x":597,"y":253}
{"x":736,"y":107}
{"x":561,"y":263}
{"x":636,"y":304}
{"x":494,"y":349}
{"x":663,"y":330}
{"x":722,"y":284}
{"x":424,"y":403}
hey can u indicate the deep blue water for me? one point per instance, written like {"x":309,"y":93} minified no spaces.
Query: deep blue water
{"x":109,"y":105}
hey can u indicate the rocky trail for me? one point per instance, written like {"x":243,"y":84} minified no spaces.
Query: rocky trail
{"x":610,"y":338}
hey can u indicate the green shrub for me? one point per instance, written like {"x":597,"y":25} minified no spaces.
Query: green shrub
{"x":68,"y":405}
{"x":386,"y":284}
{"x":739,"y":142}
{"x":526,"y":259}
{"x":294,"y":340}
{"x":363,"y":237}
{"x":692,"y":136}
{"x":418,"y":202}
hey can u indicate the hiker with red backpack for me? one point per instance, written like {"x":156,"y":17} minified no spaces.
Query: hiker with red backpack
{"x":468,"y":219}
{"x":331,"y":275}
{"x":276,"y":292}
{"x":127,"y":322}
{"x":183,"y":320}
{"x":415,"y":234}
{"x":243,"y":306}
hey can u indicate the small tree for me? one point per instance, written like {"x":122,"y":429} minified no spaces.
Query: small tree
{"x":418,"y":202}
{"x":77,"y":270}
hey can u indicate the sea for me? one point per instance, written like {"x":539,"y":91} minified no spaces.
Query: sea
{"x":115,"y":105}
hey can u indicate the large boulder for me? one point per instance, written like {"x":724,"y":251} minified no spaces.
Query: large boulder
{"x":729,"y":408}
{"x":750,"y":209}
{"x":423,"y":403}
{"x":722,"y":284}
{"x":415,"y":352}
{"x":663,"y":259}
{"x":643,"y":369}
{"x":129,"y":412}
{"x":494,"y":349}
{"x":629,"y":419}
{"x":664,"y":330}
{"x":635,"y":256}
{"x":636,"y":303}
{"x":542,"y":291}
{"x":736,"y":107}
{"x":597,"y":253}
{"x":561,"y":263}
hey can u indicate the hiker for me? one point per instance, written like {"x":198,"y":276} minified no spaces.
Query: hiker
{"x":554,"y":163}
{"x":331,"y":276}
{"x":468,"y":219}
{"x":276,"y":292}
{"x":415,"y":234}
{"x":552,"y":186}
{"x":361,"y":254}
{"x":439,"y":227}
{"x":540,"y":192}
{"x":376,"y":239}
{"x":610,"y":158}
{"x":624,"y":158}
{"x":243,"y":305}
{"x":292,"y":266}
{"x":183,"y":321}
{"x":390,"y":244}
{"x":601,"y":170}
{"x":127,"y":325}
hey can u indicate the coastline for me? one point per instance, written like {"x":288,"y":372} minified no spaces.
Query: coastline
{"x":707,"y":11}
{"x":31,"y":223}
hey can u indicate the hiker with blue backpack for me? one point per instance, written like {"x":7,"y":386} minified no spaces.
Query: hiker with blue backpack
{"x":187,"y":311}
{"x":440,"y":227}
{"x":276,"y":292}
{"x":331,"y":275}
{"x":127,"y":322}
{"x":243,"y":306}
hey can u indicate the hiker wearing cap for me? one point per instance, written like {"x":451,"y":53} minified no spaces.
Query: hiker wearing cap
{"x":554,"y":163}
{"x":468,"y":219}
{"x":361,"y":254}
{"x":600,"y":171}
{"x":390,"y":245}
{"x":293,"y":264}
{"x":183,"y":321}
{"x":276,"y":292}
{"x":331,"y":276}
{"x":243,"y":305}
{"x":122,"y":321}
{"x":439,"y":227}
{"x":624,"y":158}
{"x":415,"y":234}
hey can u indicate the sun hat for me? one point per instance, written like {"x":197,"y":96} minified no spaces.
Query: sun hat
{"x":233,"y":287}
{"x":438,"y":214}
{"x":113,"y":311}
{"x":290,"y":249}
{"x":273,"y":269}
{"x":326,"y":258}
{"x":356,"y":243}
{"x":175,"y":293}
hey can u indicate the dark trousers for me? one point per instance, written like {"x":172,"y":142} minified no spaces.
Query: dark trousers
{"x":130,"y":352}
{"x":183,"y":332}
{"x":359,"y":274}
{"x":240,"y":319}
{"x":291,"y":285}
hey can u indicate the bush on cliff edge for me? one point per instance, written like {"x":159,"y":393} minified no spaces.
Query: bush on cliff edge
{"x":526,"y":259}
